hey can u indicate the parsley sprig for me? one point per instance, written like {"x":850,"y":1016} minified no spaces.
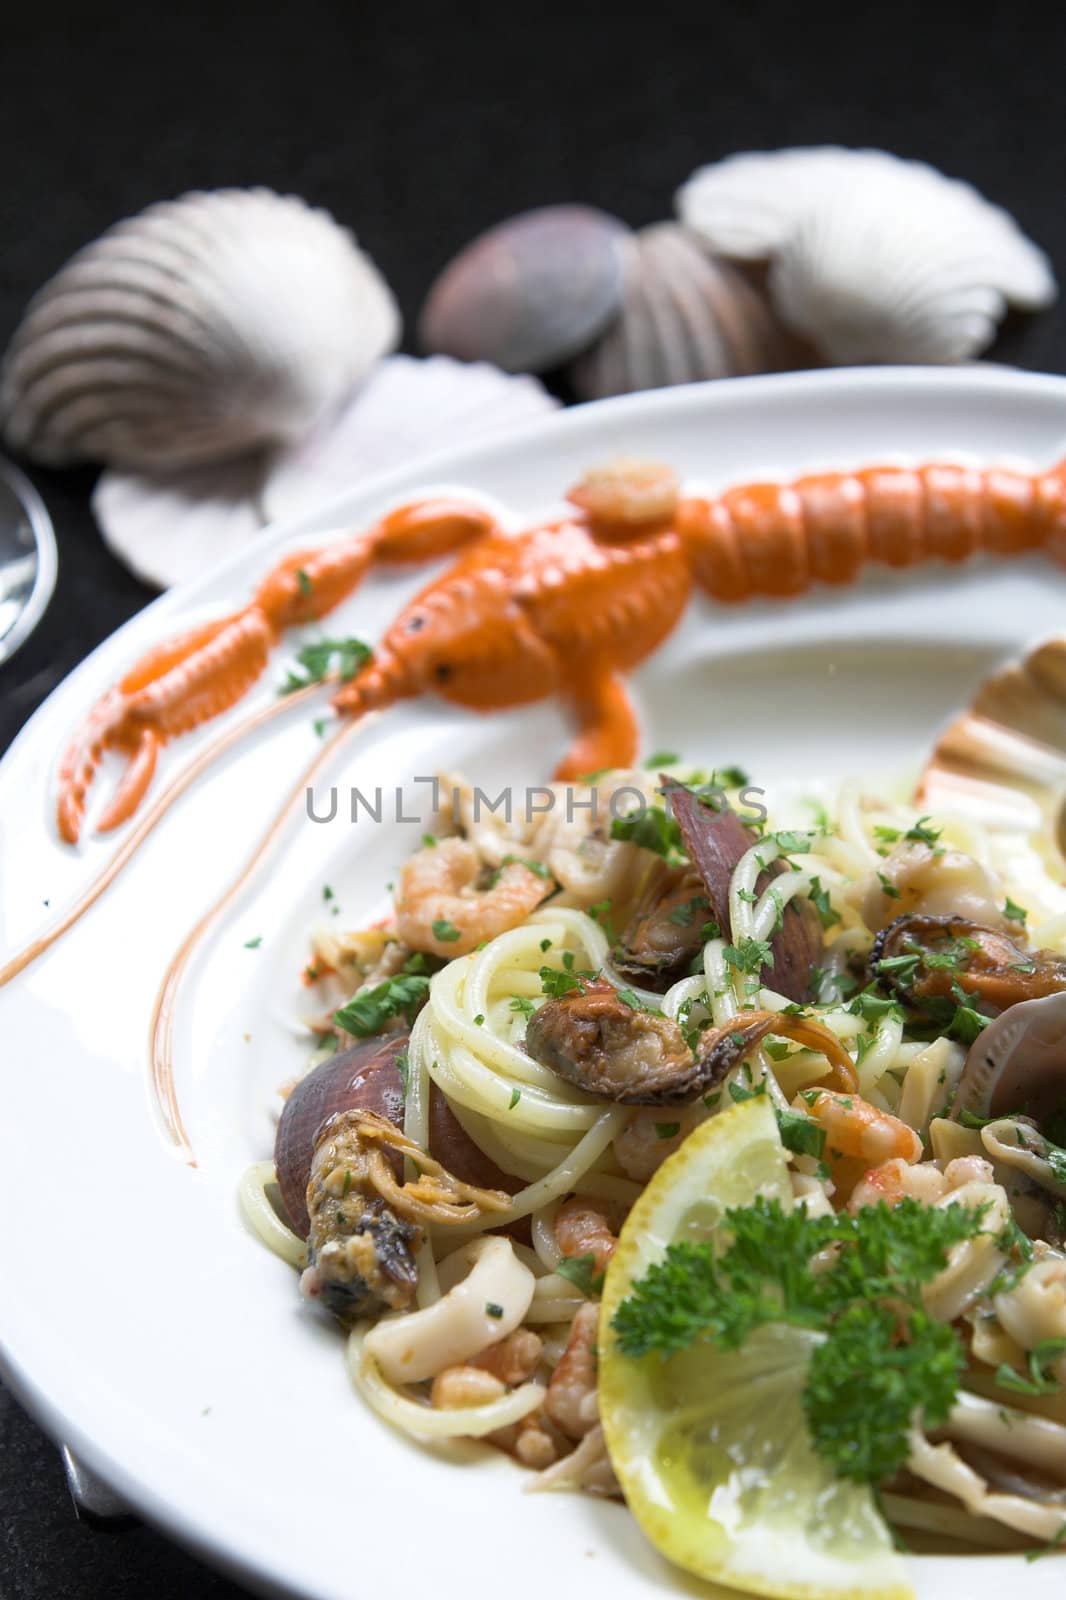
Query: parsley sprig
{"x":403,"y":995}
{"x":881,"y":1356}
{"x":317,"y":660}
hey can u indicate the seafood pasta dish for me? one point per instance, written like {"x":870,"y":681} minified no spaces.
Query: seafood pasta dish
{"x":698,"y":1146}
{"x":708,"y":1154}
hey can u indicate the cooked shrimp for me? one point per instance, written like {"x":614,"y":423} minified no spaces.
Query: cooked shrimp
{"x":455,"y":1387}
{"x":438,"y":909}
{"x":513,"y":1359}
{"x":644,"y":1144}
{"x":570,"y":1401}
{"x":857,"y":1128}
{"x":581,"y":1229}
{"x":628,"y":492}
{"x":898,"y":1180}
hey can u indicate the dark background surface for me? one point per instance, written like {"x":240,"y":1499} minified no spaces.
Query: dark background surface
{"x":418,"y":127}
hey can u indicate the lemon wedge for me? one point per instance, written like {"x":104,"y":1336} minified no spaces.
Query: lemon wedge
{"x":711,"y":1446}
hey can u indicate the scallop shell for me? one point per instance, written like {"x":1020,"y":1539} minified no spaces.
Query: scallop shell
{"x":1004,"y":760}
{"x":531,"y":292}
{"x":407,"y":408}
{"x":167,"y":527}
{"x":685,"y":316}
{"x":201,"y":329}
{"x":872,"y":258}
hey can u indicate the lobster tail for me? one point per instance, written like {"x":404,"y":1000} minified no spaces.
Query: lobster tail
{"x":776,"y":539}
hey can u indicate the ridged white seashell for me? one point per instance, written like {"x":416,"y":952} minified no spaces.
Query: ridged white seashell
{"x":1004,"y":760}
{"x":872,"y":258}
{"x":685,"y":316}
{"x":168,"y":527}
{"x":200,"y":329}
{"x":407,"y":408}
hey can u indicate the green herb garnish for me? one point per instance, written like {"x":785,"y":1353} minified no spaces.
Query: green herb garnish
{"x":881,"y":1356}
{"x":318,"y":659}
{"x":581,"y":1271}
{"x":367,"y":1013}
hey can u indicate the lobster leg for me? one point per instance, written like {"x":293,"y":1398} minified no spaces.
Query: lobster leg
{"x":187,"y":681}
{"x":608,"y":735}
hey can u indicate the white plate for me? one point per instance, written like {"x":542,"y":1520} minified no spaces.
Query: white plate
{"x":140,"y":1321}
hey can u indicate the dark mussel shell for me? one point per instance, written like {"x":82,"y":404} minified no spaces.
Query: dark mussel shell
{"x":715,"y":839}
{"x":923,"y":958}
{"x":665,"y":931}
{"x":600,"y":1043}
{"x":365,"y":1078}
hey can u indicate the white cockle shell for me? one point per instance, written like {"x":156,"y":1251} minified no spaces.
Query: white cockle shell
{"x":685,"y":316}
{"x":871,"y":257}
{"x":167,"y":527}
{"x":201,"y":329}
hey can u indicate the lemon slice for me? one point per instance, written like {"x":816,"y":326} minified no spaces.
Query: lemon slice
{"x":711,"y":1446}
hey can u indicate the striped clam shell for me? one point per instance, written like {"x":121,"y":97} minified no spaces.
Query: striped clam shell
{"x":685,"y":317}
{"x":203,"y":328}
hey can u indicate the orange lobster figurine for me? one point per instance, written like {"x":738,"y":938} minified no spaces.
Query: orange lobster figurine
{"x":566,"y":608}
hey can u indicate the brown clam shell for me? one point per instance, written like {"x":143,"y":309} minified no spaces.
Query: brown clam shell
{"x":531,"y":292}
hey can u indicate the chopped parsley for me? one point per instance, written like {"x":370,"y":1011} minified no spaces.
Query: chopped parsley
{"x":253,"y":944}
{"x":790,"y":843}
{"x":820,"y":901}
{"x":556,"y":982}
{"x":667,"y":1130}
{"x":684,"y":916}
{"x":741,"y":1092}
{"x":651,"y":828}
{"x":521,"y":1003}
{"x":661,"y":758}
{"x":516,"y":1095}
{"x":1014,"y":912}
{"x":536,"y":867}
{"x":493,"y":1310}
{"x":887,"y":886}
{"x":601,"y":913}
{"x":367,"y":1013}
{"x":749,"y":955}
{"x":630,"y":998}
{"x":319,"y":658}
{"x":445,"y":931}
{"x":307,"y":588}
{"x":1039,"y":1380}
{"x":800,"y":1134}
{"x":882,"y":1356}
{"x":581,"y":1271}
